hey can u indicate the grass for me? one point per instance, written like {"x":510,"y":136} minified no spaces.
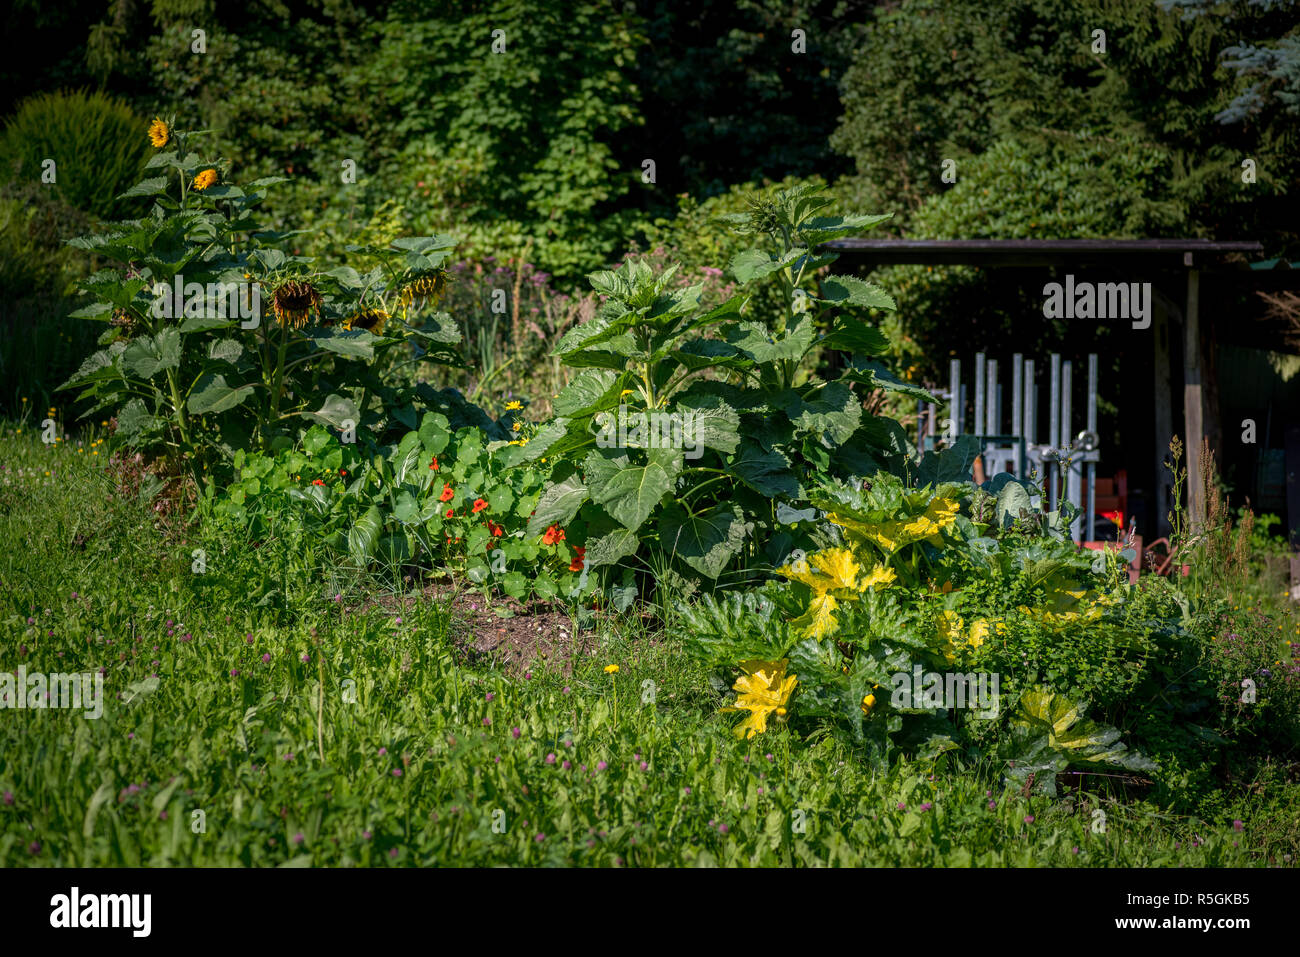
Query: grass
{"x":255,"y":719}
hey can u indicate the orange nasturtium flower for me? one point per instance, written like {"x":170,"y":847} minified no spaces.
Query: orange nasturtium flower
{"x":451,"y":513}
{"x":447,"y":494}
{"x":433,"y":466}
{"x":317,"y":482}
{"x":205,"y":179}
{"x":159,"y":132}
{"x":494,"y":528}
{"x":579,"y":560}
{"x":553,"y":535}
{"x":479,"y":505}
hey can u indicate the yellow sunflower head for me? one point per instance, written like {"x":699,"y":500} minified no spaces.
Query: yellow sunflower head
{"x":294,"y":301}
{"x":371,"y":320}
{"x":205,"y":179}
{"x":160,"y":133}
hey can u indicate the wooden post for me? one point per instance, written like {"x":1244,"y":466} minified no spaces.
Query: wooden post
{"x":1193,"y":412}
{"x":1162,"y":393}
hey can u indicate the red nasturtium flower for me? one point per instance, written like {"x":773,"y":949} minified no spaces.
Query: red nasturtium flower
{"x":447,"y":494}
{"x":433,"y":466}
{"x":479,"y":505}
{"x":317,"y":482}
{"x":579,"y":559}
{"x":553,"y":535}
{"x":451,"y":513}
{"x":494,"y":528}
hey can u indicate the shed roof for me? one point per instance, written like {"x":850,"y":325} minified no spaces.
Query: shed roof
{"x":1198,"y":253}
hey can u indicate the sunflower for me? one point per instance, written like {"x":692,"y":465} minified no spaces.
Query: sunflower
{"x":159,"y":132}
{"x":426,"y":288}
{"x":371,"y":320}
{"x":294,"y":301}
{"x":205,"y":179}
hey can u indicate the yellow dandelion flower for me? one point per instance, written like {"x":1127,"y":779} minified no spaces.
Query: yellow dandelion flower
{"x":514,"y":406}
{"x":611,"y":669}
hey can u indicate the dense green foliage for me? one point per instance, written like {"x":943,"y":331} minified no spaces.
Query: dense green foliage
{"x":409,"y":754}
{"x":85,"y":147}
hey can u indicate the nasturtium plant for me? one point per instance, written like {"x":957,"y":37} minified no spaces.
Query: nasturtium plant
{"x":441,"y":497}
{"x":217,"y":339}
{"x":689,"y":429}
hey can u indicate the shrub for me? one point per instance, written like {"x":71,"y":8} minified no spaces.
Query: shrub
{"x":93,"y":139}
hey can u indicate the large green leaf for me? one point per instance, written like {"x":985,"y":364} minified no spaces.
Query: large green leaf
{"x":558,"y":504}
{"x":612,"y":547}
{"x":590,"y":391}
{"x":766,"y":471}
{"x":407,"y":457}
{"x":352,"y":344}
{"x":706,"y":541}
{"x":751,"y":264}
{"x":213,"y":394}
{"x":363,"y":537}
{"x":874,"y":375}
{"x":851,"y":291}
{"x":336,"y":411}
{"x":754,"y":340}
{"x":953,"y":464}
{"x":146,"y":356}
{"x":630,"y":492}
{"x":712,"y":423}
{"x":833,"y":414}
{"x":853,"y":335}
{"x":819,"y":229}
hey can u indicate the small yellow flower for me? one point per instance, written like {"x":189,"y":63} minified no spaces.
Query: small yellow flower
{"x":611,"y":669}
{"x":159,"y":132}
{"x":514,"y":406}
{"x":515,"y":426}
{"x":205,"y":179}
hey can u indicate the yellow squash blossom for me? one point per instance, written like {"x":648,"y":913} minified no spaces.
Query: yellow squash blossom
{"x":763,"y":689}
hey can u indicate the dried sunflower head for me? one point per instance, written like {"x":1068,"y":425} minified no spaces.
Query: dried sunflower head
{"x":294,"y":301}
{"x":426,"y":288}
{"x":371,"y":320}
